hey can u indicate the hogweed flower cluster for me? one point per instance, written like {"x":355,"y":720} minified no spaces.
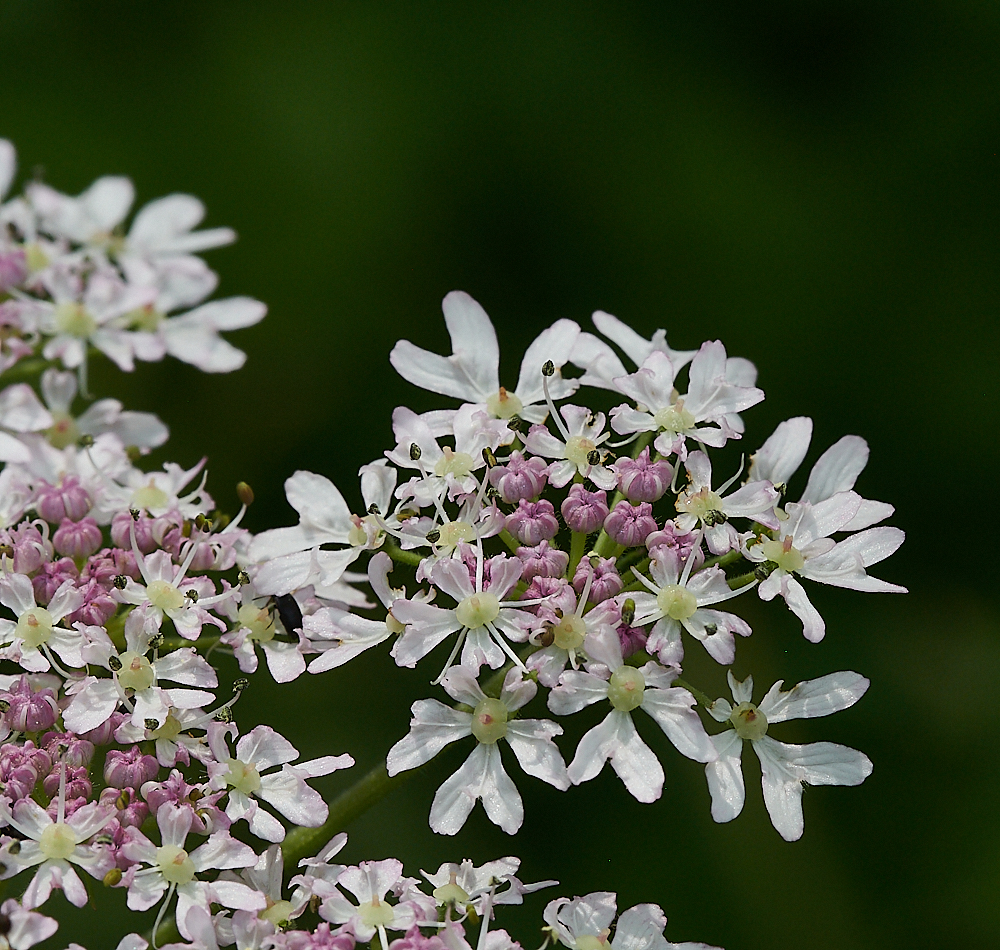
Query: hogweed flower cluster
{"x":528,"y":541}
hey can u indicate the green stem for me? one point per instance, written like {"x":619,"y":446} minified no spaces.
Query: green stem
{"x":402,"y":557}
{"x":722,"y":560}
{"x":741,"y":581}
{"x":577,"y":547}
{"x":694,"y":691}
{"x":509,"y":540}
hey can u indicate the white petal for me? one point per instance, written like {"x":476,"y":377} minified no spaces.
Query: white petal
{"x":725,"y":777}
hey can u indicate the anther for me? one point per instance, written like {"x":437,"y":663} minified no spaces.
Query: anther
{"x":594,"y":457}
{"x":224,"y":714}
{"x":415,"y":452}
{"x":191,"y":595}
{"x":121,"y":581}
{"x":152,"y":725}
{"x":134,"y":512}
{"x":243,"y":578}
{"x":490,"y":457}
{"x":245,"y":493}
{"x":433,"y":536}
{"x":373,"y":509}
{"x":85,"y":441}
{"x":114,"y":663}
{"x":240,"y":684}
{"x":202,"y":522}
{"x":763,"y":571}
{"x":628,"y":612}
{"x":548,"y":368}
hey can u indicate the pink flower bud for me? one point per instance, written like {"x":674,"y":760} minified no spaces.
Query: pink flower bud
{"x":121,"y":532}
{"x":542,"y":561}
{"x":78,"y":539}
{"x":98,"y":605}
{"x":105,"y":732}
{"x":584,"y":511}
{"x":415,"y":940}
{"x":66,"y":500}
{"x":51,"y":577}
{"x":632,"y":639}
{"x":31,"y":549}
{"x":643,"y":480}
{"x":68,"y":748}
{"x":607,"y":581}
{"x":106,"y":565}
{"x":533,"y":521}
{"x":129,"y":768}
{"x":556,"y":592}
{"x":680,"y":543}
{"x":13,"y":269}
{"x":629,"y":525}
{"x":135,"y":810}
{"x":519,"y":478}
{"x":78,"y":783}
{"x":31,"y":711}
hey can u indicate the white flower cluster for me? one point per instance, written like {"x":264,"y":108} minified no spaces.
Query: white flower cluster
{"x":119,"y":586}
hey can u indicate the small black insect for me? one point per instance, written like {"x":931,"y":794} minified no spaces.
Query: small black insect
{"x":288,"y":612}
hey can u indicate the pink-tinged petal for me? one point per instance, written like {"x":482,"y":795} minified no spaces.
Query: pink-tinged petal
{"x":869,"y":513}
{"x":699,"y":470}
{"x":754,"y":498}
{"x":742,"y":691}
{"x":456,"y":797}
{"x":231,"y":313}
{"x":625,"y":420}
{"x":813,"y":624}
{"x":89,"y":820}
{"x":725,"y":777}
{"x":575,"y":691}
{"x":146,"y":889}
{"x":672,"y":710}
{"x":187,"y":667}
{"x":427,"y":626}
{"x":433,"y":726}
{"x":473,"y":341}
{"x":290,"y":795}
{"x":284,"y":661}
{"x":542,"y":442}
{"x":504,"y":574}
{"x":665,"y":641}
{"x":17,"y":593}
{"x":92,"y":707}
{"x":640,"y":928}
{"x":556,"y":343}
{"x":138,"y":847}
{"x":265,"y":826}
{"x":319,"y":503}
{"x":481,"y":649}
{"x":452,"y":576}
{"x":516,"y":690}
{"x":531,"y":740}
{"x":235,"y":895}
{"x":652,"y":384}
{"x":30,"y":818}
{"x":175,"y":823}
{"x":8,"y":166}
{"x":814,"y":698}
{"x":599,"y":362}
{"x":323,"y":765}
{"x":719,"y":643}
{"x":837,"y":469}
{"x":778,"y":459}
{"x":222,"y":851}
{"x":825,"y":517}
{"x":184,"y":698}
{"x":461,"y":685}
{"x":264,"y":747}
{"x":615,"y":738}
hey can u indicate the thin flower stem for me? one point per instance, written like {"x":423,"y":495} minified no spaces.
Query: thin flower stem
{"x":694,"y":691}
{"x":722,"y":560}
{"x":577,"y":546}
{"x":741,"y":581}
{"x":402,"y":557}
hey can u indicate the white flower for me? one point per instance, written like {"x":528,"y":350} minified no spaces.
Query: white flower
{"x":616,"y":738}
{"x":25,"y":928}
{"x":369,"y":883}
{"x":802,"y":547}
{"x":679,"y":599}
{"x":464,"y":884}
{"x":711,"y":398}
{"x":286,"y":789}
{"x":435,"y":725}
{"x":54,"y":845}
{"x":36,"y":632}
{"x":472,"y":372}
{"x":21,"y":411}
{"x":783,"y":767}
{"x":582,"y":433}
{"x":164,"y":230}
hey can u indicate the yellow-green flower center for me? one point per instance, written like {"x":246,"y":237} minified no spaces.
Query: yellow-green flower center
{"x":164,"y":595}
{"x":674,"y":418}
{"x":748,"y":721}
{"x":136,"y":672}
{"x":34,"y":627}
{"x":454,"y":463}
{"x":625,"y":691}
{"x":504,"y":405}
{"x":578,"y":447}
{"x":479,"y":609}
{"x":58,"y":841}
{"x":73,"y":319}
{"x":64,"y":430}
{"x":569,"y":632}
{"x":783,"y":554}
{"x":676,"y":601}
{"x":174,"y":864}
{"x":257,"y":622}
{"x":149,"y":496}
{"x":489,"y":721}
{"x":243,"y":777}
{"x":375,"y":913}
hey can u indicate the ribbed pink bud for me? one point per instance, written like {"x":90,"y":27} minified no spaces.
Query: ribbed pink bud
{"x":629,"y":524}
{"x":78,"y":783}
{"x":542,"y":561}
{"x":533,"y":521}
{"x":13,"y":269}
{"x":129,"y":768}
{"x":607,"y":581}
{"x":106,"y":565}
{"x":208,"y":817}
{"x":414,"y":940}
{"x":678,"y":543}
{"x":519,"y":478}
{"x":78,"y":539}
{"x":583,"y":510}
{"x":135,"y":812}
{"x":21,"y":767}
{"x":632,"y":639}
{"x":556,"y":592}
{"x":643,"y":480}
{"x":105,"y":732}
{"x":31,"y":549}
{"x":121,"y":532}
{"x":30,"y":711}
{"x":51,"y":577}
{"x":69,"y":499}
{"x":98,"y":605}
{"x":68,"y":748}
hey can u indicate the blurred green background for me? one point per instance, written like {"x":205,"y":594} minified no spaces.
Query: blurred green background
{"x":812,"y":182}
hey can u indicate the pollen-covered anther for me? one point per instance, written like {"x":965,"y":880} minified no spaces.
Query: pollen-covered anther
{"x":748,"y":721}
{"x":478,"y":609}
{"x":489,"y":721}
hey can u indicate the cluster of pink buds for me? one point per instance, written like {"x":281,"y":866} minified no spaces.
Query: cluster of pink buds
{"x":532,"y":542}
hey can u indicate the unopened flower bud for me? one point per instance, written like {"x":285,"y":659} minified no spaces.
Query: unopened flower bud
{"x":67,"y":500}
{"x":533,"y":521}
{"x":641,"y":479}
{"x":129,"y":768}
{"x":629,"y":525}
{"x":30,"y":711}
{"x":542,"y":560}
{"x":607,"y":581}
{"x":78,"y":539}
{"x":584,"y":511}
{"x":519,"y":478}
